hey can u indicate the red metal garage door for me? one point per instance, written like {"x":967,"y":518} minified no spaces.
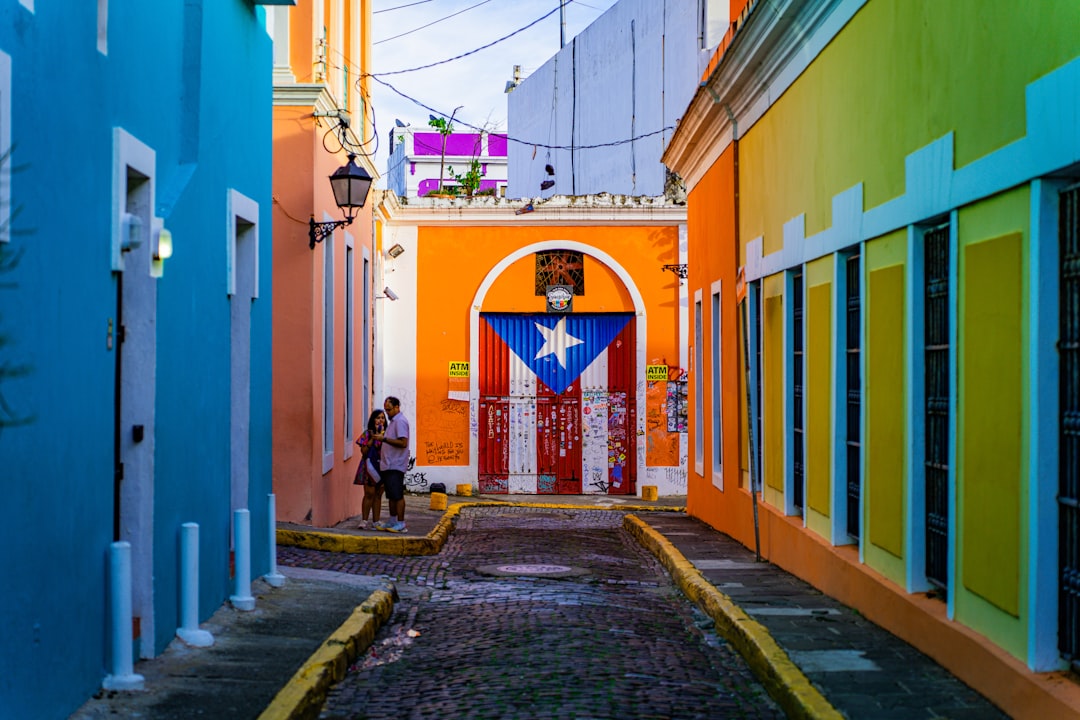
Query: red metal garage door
{"x":557,"y":407}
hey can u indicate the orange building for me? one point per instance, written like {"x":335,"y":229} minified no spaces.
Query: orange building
{"x":322,"y":286}
{"x":536,"y":349}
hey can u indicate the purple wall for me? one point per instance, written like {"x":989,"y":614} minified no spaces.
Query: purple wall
{"x":425,"y":186}
{"x":497,"y":145}
{"x":427,"y":143}
{"x":467,"y":144}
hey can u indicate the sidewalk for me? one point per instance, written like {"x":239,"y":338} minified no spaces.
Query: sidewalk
{"x":854,"y":668}
{"x":861,"y":670}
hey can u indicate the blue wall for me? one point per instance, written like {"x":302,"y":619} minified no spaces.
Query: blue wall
{"x":191,"y":80}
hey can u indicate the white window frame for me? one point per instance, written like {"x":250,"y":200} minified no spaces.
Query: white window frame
{"x":717,"y":398}
{"x":102,"y":24}
{"x":328,"y":351}
{"x":699,"y":391}
{"x":350,"y":356}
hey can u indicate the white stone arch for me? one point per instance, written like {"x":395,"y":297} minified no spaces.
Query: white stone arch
{"x":639,"y":352}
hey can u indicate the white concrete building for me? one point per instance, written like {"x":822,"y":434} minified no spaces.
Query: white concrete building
{"x":596,"y":117}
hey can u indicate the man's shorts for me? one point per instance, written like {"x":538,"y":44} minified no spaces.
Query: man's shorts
{"x":395,"y":484}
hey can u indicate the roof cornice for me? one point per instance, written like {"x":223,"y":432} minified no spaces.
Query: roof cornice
{"x":554,"y":211}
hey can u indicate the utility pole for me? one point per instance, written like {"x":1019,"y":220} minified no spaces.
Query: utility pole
{"x":562,"y":24}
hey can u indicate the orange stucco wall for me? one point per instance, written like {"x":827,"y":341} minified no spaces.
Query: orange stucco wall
{"x":454,"y":261}
{"x":712,"y":257}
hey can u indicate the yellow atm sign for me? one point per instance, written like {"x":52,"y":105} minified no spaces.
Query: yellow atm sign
{"x":656,"y":373}
{"x":459,"y":369}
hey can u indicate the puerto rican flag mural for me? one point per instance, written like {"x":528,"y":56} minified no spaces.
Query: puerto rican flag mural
{"x":557,"y":403}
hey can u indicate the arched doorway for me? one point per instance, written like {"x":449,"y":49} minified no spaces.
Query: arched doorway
{"x":557,"y":403}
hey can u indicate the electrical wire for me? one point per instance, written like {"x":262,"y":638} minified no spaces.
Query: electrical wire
{"x":286,"y":212}
{"x":464,"y":55}
{"x":509,"y":138}
{"x":433,"y":22}
{"x":399,"y":7}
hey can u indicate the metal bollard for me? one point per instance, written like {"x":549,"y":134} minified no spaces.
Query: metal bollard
{"x":273,"y":578}
{"x":242,"y":600}
{"x":189,"y":630}
{"x":123,"y":676}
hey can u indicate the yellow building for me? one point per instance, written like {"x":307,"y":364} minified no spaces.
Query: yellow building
{"x":892,"y":187}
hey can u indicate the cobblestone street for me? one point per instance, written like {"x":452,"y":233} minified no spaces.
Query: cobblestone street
{"x":588,"y":625}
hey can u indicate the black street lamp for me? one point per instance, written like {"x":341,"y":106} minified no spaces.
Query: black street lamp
{"x":350,"y":184}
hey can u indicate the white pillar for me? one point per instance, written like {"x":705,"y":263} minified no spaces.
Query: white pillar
{"x":189,"y":630}
{"x":123,"y":676}
{"x":273,"y":578}
{"x":242,"y":600}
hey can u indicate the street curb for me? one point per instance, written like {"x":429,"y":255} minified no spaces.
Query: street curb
{"x":361,"y":544}
{"x":303,"y":696}
{"x":431,"y":543}
{"x":784,"y":681}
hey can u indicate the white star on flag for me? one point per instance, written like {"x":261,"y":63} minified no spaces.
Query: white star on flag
{"x":556,"y":341}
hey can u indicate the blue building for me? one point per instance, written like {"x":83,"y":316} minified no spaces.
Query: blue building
{"x":134,"y":387}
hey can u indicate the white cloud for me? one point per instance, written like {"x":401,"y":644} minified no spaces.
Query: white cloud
{"x":475,"y":82}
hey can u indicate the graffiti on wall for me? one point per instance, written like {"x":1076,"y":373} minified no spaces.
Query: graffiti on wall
{"x":665,"y":418}
{"x":443,"y":433}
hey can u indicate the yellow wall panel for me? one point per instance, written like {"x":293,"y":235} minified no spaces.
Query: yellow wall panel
{"x":885,"y":441}
{"x":990,"y":376}
{"x":819,"y":398}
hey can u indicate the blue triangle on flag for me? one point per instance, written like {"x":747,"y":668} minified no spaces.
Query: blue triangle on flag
{"x":557,"y":348}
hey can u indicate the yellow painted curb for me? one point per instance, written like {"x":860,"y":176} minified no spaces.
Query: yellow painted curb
{"x":784,"y":681}
{"x":430,"y":544}
{"x":305,"y":693}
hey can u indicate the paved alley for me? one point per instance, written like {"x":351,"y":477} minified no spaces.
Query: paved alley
{"x":538,"y":613}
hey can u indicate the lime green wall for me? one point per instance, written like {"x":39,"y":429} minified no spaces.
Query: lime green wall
{"x":992,"y":359}
{"x":885,"y":446}
{"x":887,"y":85}
{"x":819,"y":368}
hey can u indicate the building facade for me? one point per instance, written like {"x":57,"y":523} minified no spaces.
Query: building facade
{"x":883,"y":220}
{"x":135,"y":382}
{"x":596,"y":117}
{"x":512,"y":390}
{"x":323,"y":295}
{"x":417,"y":157}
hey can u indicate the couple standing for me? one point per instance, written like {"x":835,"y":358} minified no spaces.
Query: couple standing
{"x":384,"y":458}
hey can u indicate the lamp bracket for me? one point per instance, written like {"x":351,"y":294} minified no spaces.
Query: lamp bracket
{"x":319,"y":231}
{"x":678,"y":269}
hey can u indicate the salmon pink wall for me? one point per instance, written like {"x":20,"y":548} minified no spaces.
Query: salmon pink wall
{"x":301,"y":167}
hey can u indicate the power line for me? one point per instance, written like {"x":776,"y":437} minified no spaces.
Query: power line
{"x":463,"y":55}
{"x":399,"y":7}
{"x":509,"y":138}
{"x":433,"y":22}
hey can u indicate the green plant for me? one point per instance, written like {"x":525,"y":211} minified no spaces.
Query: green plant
{"x":470,"y":179}
{"x":444,"y":126}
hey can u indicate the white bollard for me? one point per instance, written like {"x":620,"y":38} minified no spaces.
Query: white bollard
{"x":123,"y":676}
{"x":242,"y":600}
{"x":189,"y":630}
{"x":273,"y":578}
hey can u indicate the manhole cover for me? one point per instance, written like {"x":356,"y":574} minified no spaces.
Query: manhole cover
{"x":533,"y":569}
{"x":549,"y":570}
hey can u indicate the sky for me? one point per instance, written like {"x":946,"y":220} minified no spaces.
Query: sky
{"x":477,"y":82}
